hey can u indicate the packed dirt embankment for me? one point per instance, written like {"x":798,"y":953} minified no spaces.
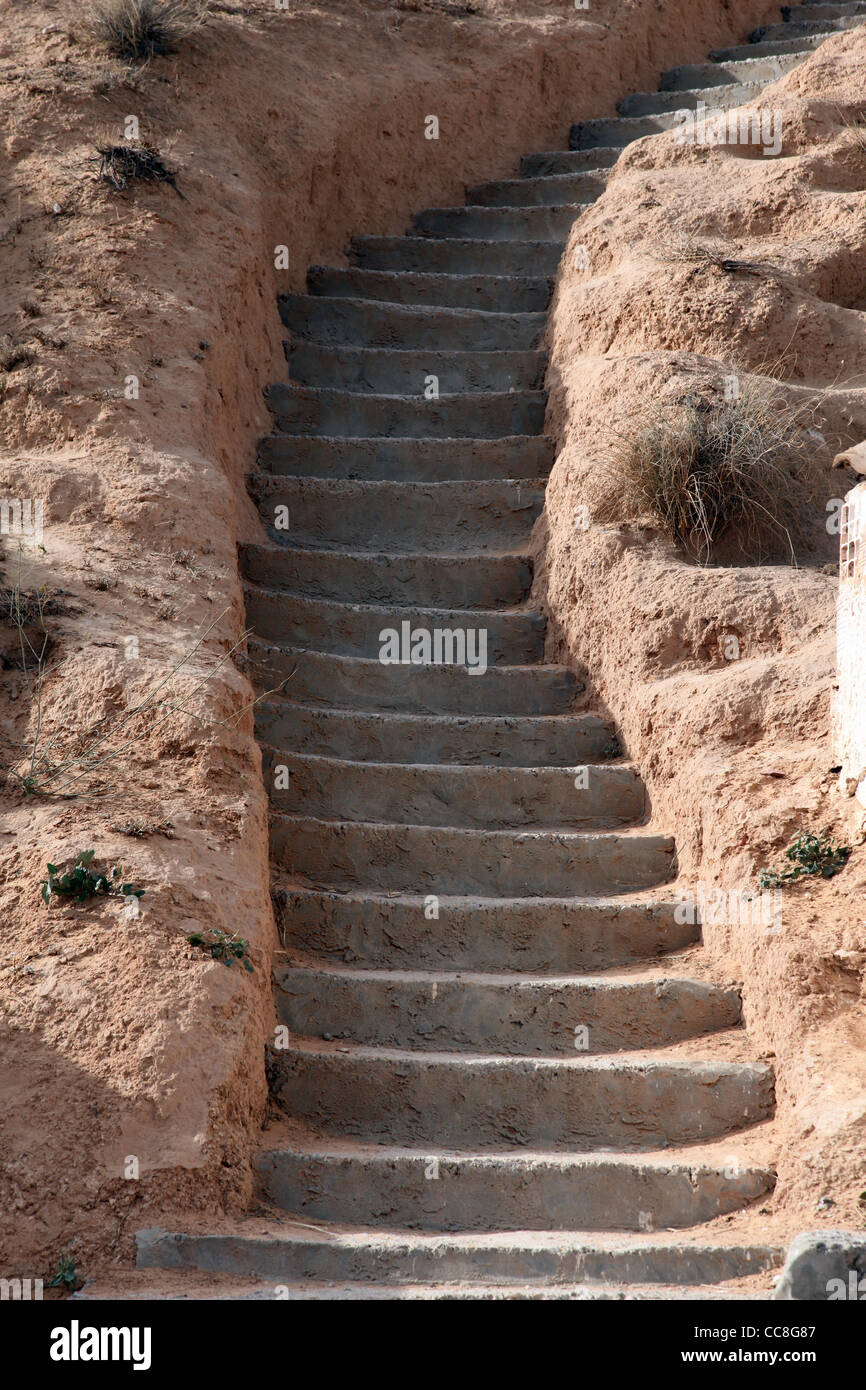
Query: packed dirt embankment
{"x":139,"y":329}
{"x":721,"y":677}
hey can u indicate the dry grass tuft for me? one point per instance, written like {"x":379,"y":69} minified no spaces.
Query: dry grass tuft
{"x":14,"y":354}
{"x":121,"y":165}
{"x":688,"y":250}
{"x":137,"y":30}
{"x":708,"y":469}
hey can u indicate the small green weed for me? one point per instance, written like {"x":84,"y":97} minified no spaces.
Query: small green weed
{"x":81,"y":882}
{"x":67,"y":1277}
{"x":807,"y":855}
{"x":221,"y":946}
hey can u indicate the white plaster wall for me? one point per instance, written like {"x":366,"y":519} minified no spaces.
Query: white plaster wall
{"x":850,"y":708}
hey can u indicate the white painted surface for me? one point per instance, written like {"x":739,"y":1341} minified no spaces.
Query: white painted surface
{"x":850,"y":709}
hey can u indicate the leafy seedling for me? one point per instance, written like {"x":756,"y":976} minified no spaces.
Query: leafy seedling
{"x":223,"y":947}
{"x":81,"y":882}
{"x":808,"y":856}
{"x":66,"y":1276}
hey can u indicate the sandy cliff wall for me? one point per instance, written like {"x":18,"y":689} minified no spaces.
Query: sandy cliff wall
{"x":721,"y":678}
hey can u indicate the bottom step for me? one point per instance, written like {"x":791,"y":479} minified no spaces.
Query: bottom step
{"x":406,"y":1258}
{"x":171,"y":1286}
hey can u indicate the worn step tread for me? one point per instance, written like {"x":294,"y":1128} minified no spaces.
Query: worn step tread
{"x":185,"y":1285}
{"x":411,"y":518}
{"x":374,"y":323}
{"x":555,"y":163}
{"x":535,"y":221}
{"x":455,"y":795}
{"x":538,"y":190}
{"x":459,"y":860}
{"x":627,"y":1100}
{"x":458,"y":255}
{"x":483,"y":636}
{"x":354,"y":682}
{"x":300,"y":409}
{"x":766,"y":49}
{"x":479,"y":579}
{"x":405,"y":371}
{"x":516,"y":1014}
{"x":533,"y":1257}
{"x":391,"y":1186}
{"x":660,"y":102}
{"x":405,"y":458}
{"x":688,"y":76}
{"x":370,"y":929}
{"x":491,"y":293}
{"x":497,"y":740}
{"x":800,"y":28}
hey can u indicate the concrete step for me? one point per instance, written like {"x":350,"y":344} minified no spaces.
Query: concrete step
{"x":367,"y":323}
{"x":511,"y":294}
{"x":444,"y":860}
{"x":183,"y":1285}
{"x":540,"y":1258}
{"x":658,"y":103}
{"x":407,"y":460}
{"x":453,"y":256}
{"x":625,"y":1102}
{"x":767,"y":49}
{"x":499,"y":637}
{"x":545,"y":935}
{"x":501,"y":224}
{"x":505,"y":1015}
{"x":402,"y":372}
{"x":361,"y":1185}
{"x":350,"y":414}
{"x":577,"y":187}
{"x":475,"y":797}
{"x":467,"y":580}
{"x":345,"y":682}
{"x":619,"y":130}
{"x":823,"y":11}
{"x":745,"y":72}
{"x":549,"y":163}
{"x":546,"y":741}
{"x":802,"y":28}
{"x":425,"y":518}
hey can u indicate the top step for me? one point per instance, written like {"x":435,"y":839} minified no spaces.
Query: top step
{"x":819,"y":12}
{"x":804,"y":28}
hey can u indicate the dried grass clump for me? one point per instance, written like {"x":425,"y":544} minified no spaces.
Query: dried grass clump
{"x":14,"y":354}
{"x":137,"y":30}
{"x":456,"y":11}
{"x":680,"y":248}
{"x":122,"y":165}
{"x":709,"y":469}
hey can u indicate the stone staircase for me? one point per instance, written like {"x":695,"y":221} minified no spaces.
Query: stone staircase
{"x":493,"y":1084}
